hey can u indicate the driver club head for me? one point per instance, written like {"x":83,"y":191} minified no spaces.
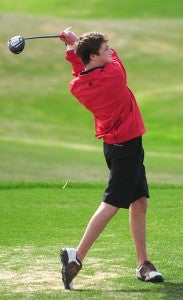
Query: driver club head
{"x":16,"y":44}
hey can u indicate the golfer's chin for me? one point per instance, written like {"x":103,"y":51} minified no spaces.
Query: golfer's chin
{"x":109,"y":61}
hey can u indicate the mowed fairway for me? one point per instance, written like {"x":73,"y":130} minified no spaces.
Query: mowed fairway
{"x":47,"y":141}
{"x":37,"y":220}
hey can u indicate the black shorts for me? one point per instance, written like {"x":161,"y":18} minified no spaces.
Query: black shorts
{"x":127,"y":180}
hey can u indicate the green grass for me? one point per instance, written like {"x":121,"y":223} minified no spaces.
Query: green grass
{"x":98,"y":8}
{"x":39,"y":218}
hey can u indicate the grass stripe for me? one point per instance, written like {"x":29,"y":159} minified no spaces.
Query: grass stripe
{"x":80,"y":147}
{"x":97,"y":8}
{"x":5,"y":184}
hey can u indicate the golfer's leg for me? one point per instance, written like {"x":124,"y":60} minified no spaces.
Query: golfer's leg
{"x":137,"y":219}
{"x":96,"y":225}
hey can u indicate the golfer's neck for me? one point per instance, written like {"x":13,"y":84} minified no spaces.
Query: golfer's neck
{"x":92,"y":65}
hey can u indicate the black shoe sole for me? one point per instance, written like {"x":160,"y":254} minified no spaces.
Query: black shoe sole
{"x":64,"y":271}
{"x":156,"y":279}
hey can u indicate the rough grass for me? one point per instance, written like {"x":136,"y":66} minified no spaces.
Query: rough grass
{"x":98,"y":8}
{"x":43,"y":129}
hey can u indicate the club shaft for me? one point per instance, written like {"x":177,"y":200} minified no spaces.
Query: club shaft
{"x":41,"y":37}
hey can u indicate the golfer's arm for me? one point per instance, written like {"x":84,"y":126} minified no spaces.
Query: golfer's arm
{"x":77,"y":65}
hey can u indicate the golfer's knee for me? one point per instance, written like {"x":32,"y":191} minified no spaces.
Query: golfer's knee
{"x":139,"y":204}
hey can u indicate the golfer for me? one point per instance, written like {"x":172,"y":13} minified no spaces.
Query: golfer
{"x":100,"y":84}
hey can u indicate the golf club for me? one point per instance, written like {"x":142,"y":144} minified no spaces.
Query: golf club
{"x":17,"y":43}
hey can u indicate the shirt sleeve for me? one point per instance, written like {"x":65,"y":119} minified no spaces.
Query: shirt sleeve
{"x":77,"y":65}
{"x":115,"y":68}
{"x":116,"y":59}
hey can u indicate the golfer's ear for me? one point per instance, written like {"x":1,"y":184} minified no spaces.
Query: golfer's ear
{"x":92,"y":57}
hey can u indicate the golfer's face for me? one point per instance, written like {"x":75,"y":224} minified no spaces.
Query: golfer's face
{"x":105,"y":54}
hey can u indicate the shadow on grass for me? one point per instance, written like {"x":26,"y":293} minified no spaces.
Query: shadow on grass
{"x":172,"y":290}
{"x":166,"y":290}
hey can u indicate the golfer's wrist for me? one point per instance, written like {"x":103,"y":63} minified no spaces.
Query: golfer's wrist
{"x":70,"y":47}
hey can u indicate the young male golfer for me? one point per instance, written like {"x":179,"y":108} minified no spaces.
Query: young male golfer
{"x":100,"y":85}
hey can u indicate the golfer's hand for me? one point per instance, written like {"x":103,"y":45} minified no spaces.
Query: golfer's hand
{"x":68,"y":37}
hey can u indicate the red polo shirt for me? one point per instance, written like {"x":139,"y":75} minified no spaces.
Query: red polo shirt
{"x":105,"y":93}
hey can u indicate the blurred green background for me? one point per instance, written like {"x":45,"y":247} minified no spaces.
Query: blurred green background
{"x":44,"y":133}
